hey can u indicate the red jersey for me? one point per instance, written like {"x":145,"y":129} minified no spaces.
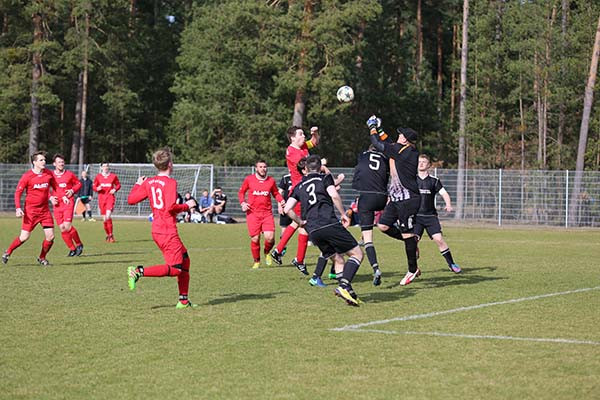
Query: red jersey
{"x":104,"y":183}
{"x":37,"y":187}
{"x":161,"y":191}
{"x":65,"y":180}
{"x":292,"y":156}
{"x":260,"y":192}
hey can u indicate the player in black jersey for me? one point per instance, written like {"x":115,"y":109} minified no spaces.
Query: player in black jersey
{"x":370,"y":180}
{"x":403,"y":191}
{"x":318,"y":197}
{"x":427,"y":216}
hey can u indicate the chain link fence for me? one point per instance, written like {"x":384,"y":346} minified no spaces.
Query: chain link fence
{"x":497,"y":196}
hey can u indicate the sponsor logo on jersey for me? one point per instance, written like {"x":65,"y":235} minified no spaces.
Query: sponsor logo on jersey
{"x":153,"y":181}
{"x":40,"y":185}
{"x":62,"y":185}
{"x":425,"y":191}
{"x":260,"y":193}
{"x":107,"y":185}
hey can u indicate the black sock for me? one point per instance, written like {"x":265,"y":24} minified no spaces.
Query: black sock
{"x":350,"y":268}
{"x":332,"y":270}
{"x":410,"y":245}
{"x":448,"y":256}
{"x":394,"y":232}
{"x":371,"y":254}
{"x":320,"y":267}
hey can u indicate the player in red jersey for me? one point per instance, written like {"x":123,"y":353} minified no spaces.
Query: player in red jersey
{"x":259,"y":214}
{"x":161,"y":191}
{"x":68,"y":185}
{"x":36,"y":183}
{"x":297,"y":150}
{"x":106,"y":184}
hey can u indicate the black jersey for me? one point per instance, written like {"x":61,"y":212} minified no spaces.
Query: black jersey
{"x":317,"y":205}
{"x":371,"y":173}
{"x":428,"y":188}
{"x":285,"y":184}
{"x":86,"y":187}
{"x":406,"y":159}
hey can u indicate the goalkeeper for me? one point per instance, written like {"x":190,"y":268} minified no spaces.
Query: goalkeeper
{"x":86,"y":194}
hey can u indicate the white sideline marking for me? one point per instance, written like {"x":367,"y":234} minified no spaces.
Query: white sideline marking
{"x":358,"y":327}
{"x":467,"y":336}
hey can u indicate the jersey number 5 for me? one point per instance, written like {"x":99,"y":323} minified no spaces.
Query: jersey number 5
{"x":374,"y":162}
{"x":157,"y":198}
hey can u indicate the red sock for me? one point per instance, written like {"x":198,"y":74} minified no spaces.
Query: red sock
{"x":66,"y":235}
{"x":183,"y":279}
{"x":105,"y":224}
{"x":75,"y":236}
{"x":285,"y":238}
{"x":302,"y":244}
{"x":110,"y":227}
{"x":161,"y":270}
{"x":46,"y":246}
{"x":268,"y":246}
{"x":15,"y":243}
{"x":255,"y":249}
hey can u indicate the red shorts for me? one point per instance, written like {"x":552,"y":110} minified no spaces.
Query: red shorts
{"x":258,"y":223}
{"x":106,"y":203}
{"x":64,"y":212}
{"x":171,"y":246}
{"x":32,"y":218}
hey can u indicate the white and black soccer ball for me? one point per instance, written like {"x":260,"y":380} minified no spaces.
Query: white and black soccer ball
{"x":345,"y":94}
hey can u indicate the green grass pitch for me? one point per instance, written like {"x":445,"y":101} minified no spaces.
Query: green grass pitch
{"x":75,"y":331}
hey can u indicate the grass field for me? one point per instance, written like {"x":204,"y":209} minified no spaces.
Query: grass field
{"x":522,"y":321}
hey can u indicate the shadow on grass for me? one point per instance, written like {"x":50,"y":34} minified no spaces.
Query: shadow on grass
{"x":235,"y":297}
{"x":467,"y":277}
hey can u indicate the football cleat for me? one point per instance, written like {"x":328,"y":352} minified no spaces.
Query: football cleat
{"x":110,"y":239}
{"x":284,"y":251}
{"x":92,"y":220}
{"x":256,"y":265}
{"x":376,"y":277}
{"x":455,"y":268}
{"x":276,"y":256}
{"x":5,"y":256}
{"x":345,"y":294}
{"x":317,"y":282}
{"x":188,"y":304}
{"x":43,"y":262}
{"x":132,"y":277}
{"x":79,"y":250}
{"x":301,"y":266}
{"x":268,"y":260}
{"x":71,"y":253}
{"x":409,"y":277}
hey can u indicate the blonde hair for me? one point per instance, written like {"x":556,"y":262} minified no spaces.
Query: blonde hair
{"x":162,"y":159}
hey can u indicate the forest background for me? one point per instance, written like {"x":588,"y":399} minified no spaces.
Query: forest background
{"x":221,"y":81}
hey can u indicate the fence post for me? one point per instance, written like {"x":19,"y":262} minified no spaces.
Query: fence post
{"x":500,"y":197}
{"x":567,"y":199}
{"x":435,"y":197}
{"x":139,"y":205}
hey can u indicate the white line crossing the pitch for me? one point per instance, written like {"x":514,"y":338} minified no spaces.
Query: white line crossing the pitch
{"x":359,"y":327}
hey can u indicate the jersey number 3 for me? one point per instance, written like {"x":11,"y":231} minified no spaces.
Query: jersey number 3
{"x":310,"y":189}
{"x":157,"y":198}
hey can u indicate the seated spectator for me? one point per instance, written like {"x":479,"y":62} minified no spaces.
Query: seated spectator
{"x":205,"y":205}
{"x":188,"y":214}
{"x":219,"y":202}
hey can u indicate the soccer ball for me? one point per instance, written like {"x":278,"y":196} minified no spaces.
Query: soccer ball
{"x":345,"y":94}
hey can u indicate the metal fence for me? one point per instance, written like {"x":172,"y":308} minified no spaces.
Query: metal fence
{"x":498,"y":196}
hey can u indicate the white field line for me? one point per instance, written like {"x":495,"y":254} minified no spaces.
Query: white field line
{"x":467,"y":336}
{"x":359,"y":327}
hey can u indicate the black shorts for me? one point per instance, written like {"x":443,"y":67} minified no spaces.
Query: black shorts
{"x":85,"y":200}
{"x":402,"y":212}
{"x":284,"y":220}
{"x":333,"y":239}
{"x":368,"y":203}
{"x":430,"y":223}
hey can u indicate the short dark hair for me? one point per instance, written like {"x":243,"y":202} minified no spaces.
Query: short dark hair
{"x":260,"y":161}
{"x":313,"y":163}
{"x":37,"y":153}
{"x":57,"y":155}
{"x":301,"y":165}
{"x":292,"y":131}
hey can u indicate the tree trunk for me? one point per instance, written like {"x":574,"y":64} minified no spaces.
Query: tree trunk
{"x":562,"y":109}
{"x":75,"y":143}
{"x":440,"y":69}
{"x":462,"y":118}
{"x":36,"y":75}
{"x":84,"y":91}
{"x":419,"y":58}
{"x":300,"y":101}
{"x":4,"y":24}
{"x":539,"y":106}
{"x":583,"y":132}
{"x":453,"y":78}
